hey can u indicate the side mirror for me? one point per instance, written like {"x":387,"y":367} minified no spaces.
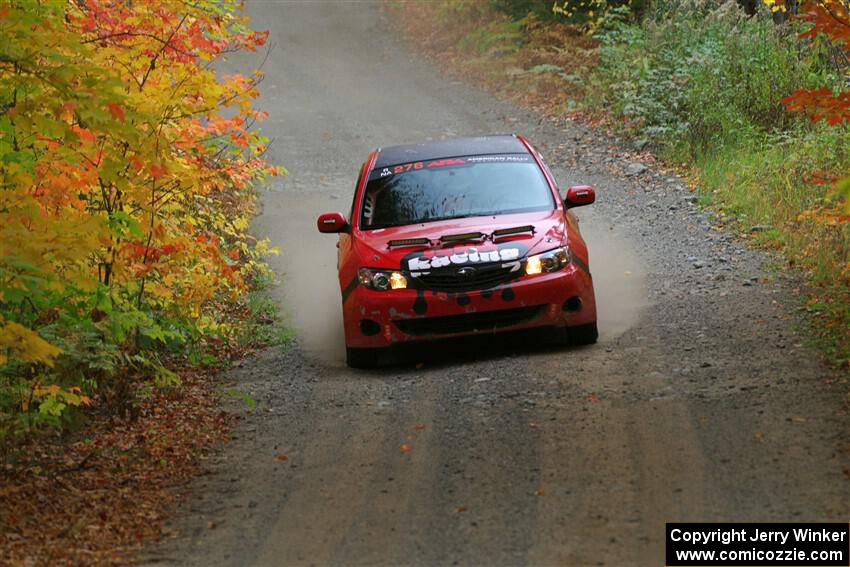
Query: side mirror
{"x":579,"y":195}
{"x":332,"y":222}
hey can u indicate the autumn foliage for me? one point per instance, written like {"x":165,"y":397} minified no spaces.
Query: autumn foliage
{"x":829,"y":23}
{"x":127,"y":173}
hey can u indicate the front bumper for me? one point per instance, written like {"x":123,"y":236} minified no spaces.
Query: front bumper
{"x":375,"y":319}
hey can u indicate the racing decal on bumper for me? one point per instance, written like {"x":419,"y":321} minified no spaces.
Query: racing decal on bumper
{"x":580,"y":263}
{"x":349,"y":288}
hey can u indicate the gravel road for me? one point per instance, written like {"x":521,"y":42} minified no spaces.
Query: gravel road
{"x":700,"y":402}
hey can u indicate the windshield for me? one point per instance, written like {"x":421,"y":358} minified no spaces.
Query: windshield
{"x":451,"y":188}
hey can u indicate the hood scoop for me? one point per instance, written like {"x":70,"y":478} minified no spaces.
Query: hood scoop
{"x":462,"y":237}
{"x":504,"y":232}
{"x":405,"y":242}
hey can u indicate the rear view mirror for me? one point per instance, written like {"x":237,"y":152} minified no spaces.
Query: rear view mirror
{"x":579,"y":195}
{"x":332,"y":222}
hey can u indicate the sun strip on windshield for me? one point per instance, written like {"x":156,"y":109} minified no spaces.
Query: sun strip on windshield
{"x":446,"y":162}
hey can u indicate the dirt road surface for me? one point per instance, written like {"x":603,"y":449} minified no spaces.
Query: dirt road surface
{"x":700,"y":402}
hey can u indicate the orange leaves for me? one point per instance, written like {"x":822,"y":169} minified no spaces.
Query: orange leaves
{"x":116,"y":111}
{"x":157,"y":170}
{"x":820,"y":104}
{"x":832,"y":19}
{"x":84,"y":134}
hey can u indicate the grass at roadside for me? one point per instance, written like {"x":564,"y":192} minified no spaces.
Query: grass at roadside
{"x":264,"y":326}
{"x":701,"y":85}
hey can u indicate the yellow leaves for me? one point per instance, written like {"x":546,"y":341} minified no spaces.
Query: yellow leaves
{"x":25,"y":344}
{"x":53,"y":399}
{"x":115,"y":157}
{"x":241,"y":223}
{"x":775,"y":6}
{"x":263,"y":247}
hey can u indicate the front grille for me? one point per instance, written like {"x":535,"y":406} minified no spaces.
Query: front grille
{"x":469,"y":322}
{"x":469,"y":278}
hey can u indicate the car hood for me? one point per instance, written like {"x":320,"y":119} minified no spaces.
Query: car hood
{"x":549,"y":231}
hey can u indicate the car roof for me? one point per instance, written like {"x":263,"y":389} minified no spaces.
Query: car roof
{"x":406,"y":153}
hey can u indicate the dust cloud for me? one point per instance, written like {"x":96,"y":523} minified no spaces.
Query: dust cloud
{"x":309,"y":290}
{"x":619,"y":279}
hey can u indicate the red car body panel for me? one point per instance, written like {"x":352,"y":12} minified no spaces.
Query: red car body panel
{"x":564,"y":298}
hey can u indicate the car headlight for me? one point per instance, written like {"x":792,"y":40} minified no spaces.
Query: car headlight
{"x":551,"y":261}
{"x":381,"y":280}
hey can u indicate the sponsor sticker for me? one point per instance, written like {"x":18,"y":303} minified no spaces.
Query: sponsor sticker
{"x":422,"y":262}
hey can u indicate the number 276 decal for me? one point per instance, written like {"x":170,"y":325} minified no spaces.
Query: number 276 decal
{"x":408,"y":167}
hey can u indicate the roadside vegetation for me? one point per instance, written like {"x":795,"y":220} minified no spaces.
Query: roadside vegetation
{"x":128,"y":168}
{"x":748,"y":101}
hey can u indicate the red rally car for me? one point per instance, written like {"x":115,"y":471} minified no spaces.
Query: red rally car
{"x":460,"y":237}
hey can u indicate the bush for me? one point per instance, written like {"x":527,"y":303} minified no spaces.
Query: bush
{"x":694,"y":77}
{"x":706,"y":83}
{"x":519,"y":9}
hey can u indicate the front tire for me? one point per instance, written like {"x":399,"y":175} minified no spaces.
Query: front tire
{"x":361,"y":357}
{"x":583,"y":334}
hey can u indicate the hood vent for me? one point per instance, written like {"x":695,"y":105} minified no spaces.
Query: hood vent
{"x":503,"y":232}
{"x":463,"y":237}
{"x":408,"y":242}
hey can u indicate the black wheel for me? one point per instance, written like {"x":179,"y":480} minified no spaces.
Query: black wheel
{"x":583,"y":334}
{"x":361,"y":357}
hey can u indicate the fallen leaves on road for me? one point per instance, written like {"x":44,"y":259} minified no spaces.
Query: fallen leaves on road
{"x":281,"y":457}
{"x":94,"y":498}
{"x":460,"y":509}
{"x":405,"y":448}
{"x":540,"y":492}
